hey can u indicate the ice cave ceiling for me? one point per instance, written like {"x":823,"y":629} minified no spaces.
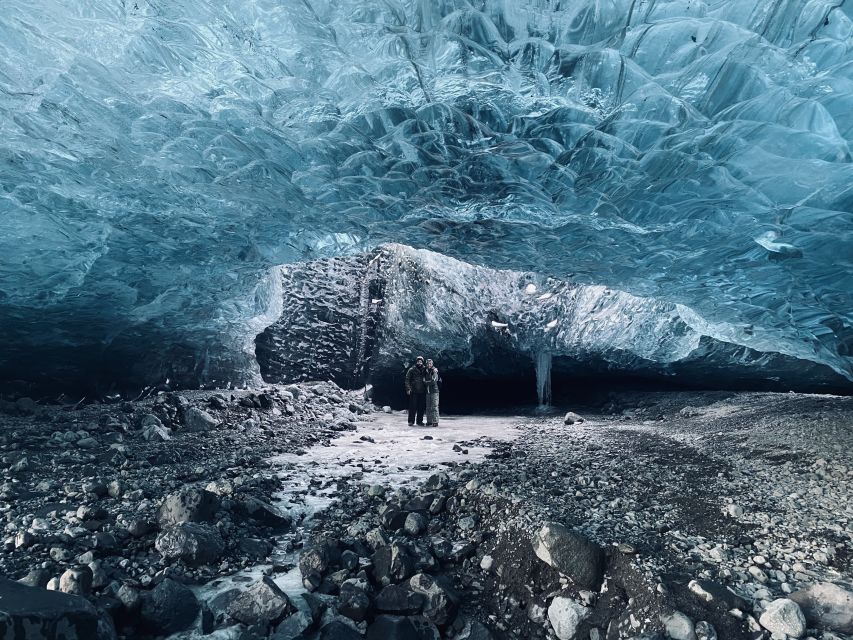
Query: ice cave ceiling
{"x":157,"y":158}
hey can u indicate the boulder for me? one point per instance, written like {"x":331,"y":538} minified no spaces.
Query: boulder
{"x":353,"y":602}
{"x":294,"y":627}
{"x":565,"y":616}
{"x":76,"y":581}
{"x":678,"y":626}
{"x":399,"y":600}
{"x":826,"y":606}
{"x":784,"y":617}
{"x":191,"y":504}
{"x":31,"y":613}
{"x":392,"y":564}
{"x":196,"y":419}
{"x":194,"y":543}
{"x":570,"y":553}
{"x":402,"y":628}
{"x":261,"y":513}
{"x":439,"y":601}
{"x":572,"y":418}
{"x":263,"y":604}
{"x":168,"y":608}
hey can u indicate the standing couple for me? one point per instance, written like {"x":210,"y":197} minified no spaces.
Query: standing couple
{"x":422,"y":385}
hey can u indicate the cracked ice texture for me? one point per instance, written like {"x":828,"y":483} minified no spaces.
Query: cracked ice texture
{"x":156,"y":158}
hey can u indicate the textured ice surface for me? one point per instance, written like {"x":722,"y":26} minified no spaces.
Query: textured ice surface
{"x":157,"y":157}
{"x":495,"y":324}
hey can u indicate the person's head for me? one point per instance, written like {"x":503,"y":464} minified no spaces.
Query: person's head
{"x":419,"y":361}
{"x":429,"y":363}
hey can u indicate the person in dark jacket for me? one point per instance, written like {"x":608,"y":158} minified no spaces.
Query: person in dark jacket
{"x":416,"y":390}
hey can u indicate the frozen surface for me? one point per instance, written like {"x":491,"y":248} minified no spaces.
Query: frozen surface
{"x":157,"y":158}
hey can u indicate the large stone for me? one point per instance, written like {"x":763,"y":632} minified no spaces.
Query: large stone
{"x":826,"y":606}
{"x":678,"y":626}
{"x":194,"y":543}
{"x":784,"y":617}
{"x":263,"y":603}
{"x":353,"y":602}
{"x":188,"y":505}
{"x":399,"y":600}
{"x":439,"y":601}
{"x":570,"y":553}
{"x":29,"y":613}
{"x":294,"y":627}
{"x":76,"y":581}
{"x":402,"y":628}
{"x":262,"y":513}
{"x":196,"y":419}
{"x":565,"y":616}
{"x":392,"y":564}
{"x":168,"y":608}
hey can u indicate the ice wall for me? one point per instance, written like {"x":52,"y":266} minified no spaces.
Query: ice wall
{"x":491,"y":324}
{"x":158,"y":158}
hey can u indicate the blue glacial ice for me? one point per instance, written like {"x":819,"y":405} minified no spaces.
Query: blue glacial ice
{"x":157,"y":159}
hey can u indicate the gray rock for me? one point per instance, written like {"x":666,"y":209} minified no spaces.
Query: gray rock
{"x":255,"y":548}
{"x":30,"y":613}
{"x":262,"y":513}
{"x":826,"y":606}
{"x":784,"y":617}
{"x":36,"y":578}
{"x":399,"y":600}
{"x":705,"y":631}
{"x":263,"y":603}
{"x":168,"y":608}
{"x":572,"y":418}
{"x":156,"y":434}
{"x":353,"y":602}
{"x":571,"y":553}
{"x":415,"y":524}
{"x":439,"y":601}
{"x":392,"y":564}
{"x":196,"y":419}
{"x":294,"y":627}
{"x":678,"y":626}
{"x":194,"y":543}
{"x":76,"y":581}
{"x":565,"y":616}
{"x":189,"y":505}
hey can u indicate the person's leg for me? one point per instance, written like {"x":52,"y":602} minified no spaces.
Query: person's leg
{"x":430,"y":415}
{"x":421,"y":407}
{"x":435,"y":409}
{"x":412,"y":406}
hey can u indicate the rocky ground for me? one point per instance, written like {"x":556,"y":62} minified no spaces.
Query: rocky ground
{"x":681,"y":515}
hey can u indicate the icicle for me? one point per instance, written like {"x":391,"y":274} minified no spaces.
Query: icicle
{"x":543,"y":378}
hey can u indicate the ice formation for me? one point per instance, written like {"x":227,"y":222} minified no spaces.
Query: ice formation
{"x":500,"y":325}
{"x":158,"y":158}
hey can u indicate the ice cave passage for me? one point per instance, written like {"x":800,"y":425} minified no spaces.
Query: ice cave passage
{"x":685,"y":166}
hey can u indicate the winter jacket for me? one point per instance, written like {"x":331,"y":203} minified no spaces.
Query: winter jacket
{"x":415,"y":380}
{"x":433,"y":381}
